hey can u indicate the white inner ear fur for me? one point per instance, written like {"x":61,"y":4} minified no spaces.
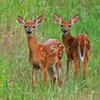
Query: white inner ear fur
{"x":72,"y":22}
{"x":21,"y":20}
{"x":38,"y":20}
{"x":60,"y":21}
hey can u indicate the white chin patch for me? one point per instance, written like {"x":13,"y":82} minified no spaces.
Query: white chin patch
{"x":29,"y":35}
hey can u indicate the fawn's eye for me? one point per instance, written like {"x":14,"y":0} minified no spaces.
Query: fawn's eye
{"x":33,"y":26}
{"x":69,"y":25}
{"x":61,"y":25}
{"x":25,"y":26}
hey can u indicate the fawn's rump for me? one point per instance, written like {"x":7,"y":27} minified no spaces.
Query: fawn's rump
{"x":83,"y":45}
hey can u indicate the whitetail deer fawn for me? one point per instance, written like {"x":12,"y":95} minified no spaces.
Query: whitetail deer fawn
{"x":42,"y":56}
{"x":76,"y":48}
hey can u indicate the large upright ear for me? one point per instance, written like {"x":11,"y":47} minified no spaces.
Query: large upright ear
{"x":38,"y":19}
{"x":58,"y":19}
{"x":74,"y":20}
{"x":21,"y":20}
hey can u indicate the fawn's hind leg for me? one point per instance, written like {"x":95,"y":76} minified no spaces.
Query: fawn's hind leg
{"x":52,"y":74}
{"x":85,"y":70}
{"x":59,"y":72}
{"x":44,"y":73}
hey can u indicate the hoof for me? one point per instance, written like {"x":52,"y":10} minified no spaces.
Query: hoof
{"x":67,"y":78}
{"x":61,"y":82}
{"x":33,"y":84}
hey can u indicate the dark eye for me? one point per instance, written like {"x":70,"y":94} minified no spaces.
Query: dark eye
{"x":33,"y":26}
{"x":69,"y":25}
{"x":61,"y":25}
{"x":25,"y":26}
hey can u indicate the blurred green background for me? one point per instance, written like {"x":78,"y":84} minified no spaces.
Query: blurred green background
{"x":15,"y":70}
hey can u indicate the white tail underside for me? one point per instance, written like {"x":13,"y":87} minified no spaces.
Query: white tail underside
{"x":80,"y":54}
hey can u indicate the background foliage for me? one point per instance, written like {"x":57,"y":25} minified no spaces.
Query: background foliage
{"x":15,"y":70}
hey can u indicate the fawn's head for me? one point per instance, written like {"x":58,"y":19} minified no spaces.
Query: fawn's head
{"x":65,"y":25}
{"x":29,"y":26}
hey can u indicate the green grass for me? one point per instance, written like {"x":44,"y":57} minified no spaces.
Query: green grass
{"x":15,"y":70}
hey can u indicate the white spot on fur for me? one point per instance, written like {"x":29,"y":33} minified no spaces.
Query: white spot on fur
{"x":60,"y":52}
{"x":59,"y":45}
{"x":41,"y":48}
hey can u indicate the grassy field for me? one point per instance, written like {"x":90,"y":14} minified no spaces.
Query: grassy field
{"x":15,"y":70}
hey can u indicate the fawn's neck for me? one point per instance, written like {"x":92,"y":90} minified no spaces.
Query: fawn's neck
{"x":65,"y":38}
{"x":32,"y":43}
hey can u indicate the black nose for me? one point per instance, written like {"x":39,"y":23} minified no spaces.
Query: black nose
{"x":64,"y":30}
{"x":29,"y":32}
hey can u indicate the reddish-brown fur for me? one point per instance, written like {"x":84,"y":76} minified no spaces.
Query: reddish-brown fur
{"x":42,"y":55}
{"x":75,"y":47}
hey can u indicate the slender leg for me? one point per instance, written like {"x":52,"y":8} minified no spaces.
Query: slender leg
{"x":34,"y":76}
{"x":77,"y":64}
{"x":44,"y":73}
{"x":59,"y":72}
{"x":67,"y":72}
{"x":85,"y":70}
{"x":58,"y":67}
{"x":52,"y":74}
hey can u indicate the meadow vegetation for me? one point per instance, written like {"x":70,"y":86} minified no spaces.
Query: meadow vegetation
{"x":15,"y":70}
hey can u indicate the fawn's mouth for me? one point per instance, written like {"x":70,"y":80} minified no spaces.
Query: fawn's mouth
{"x":65,"y":30}
{"x":29,"y":34}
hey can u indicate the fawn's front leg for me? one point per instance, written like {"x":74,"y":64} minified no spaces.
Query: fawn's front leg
{"x":68,"y":66}
{"x":34,"y":76}
{"x":44,"y":73}
{"x":77,"y":64}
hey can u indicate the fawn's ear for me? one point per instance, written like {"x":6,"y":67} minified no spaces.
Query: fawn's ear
{"x":21,"y":20}
{"x":74,"y":20}
{"x":38,"y":19}
{"x":58,"y":19}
